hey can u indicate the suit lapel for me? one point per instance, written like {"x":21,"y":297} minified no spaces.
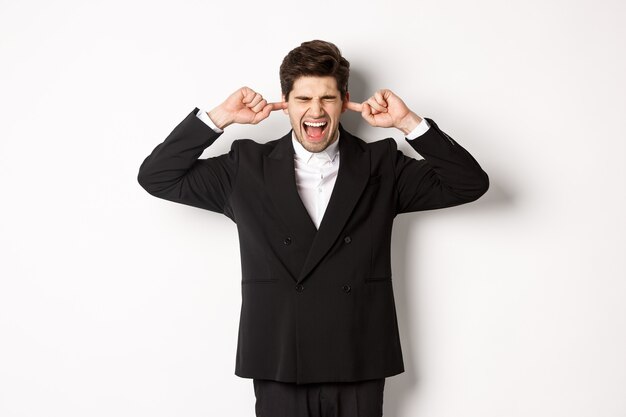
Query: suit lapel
{"x":354,"y":169}
{"x":280,"y":184}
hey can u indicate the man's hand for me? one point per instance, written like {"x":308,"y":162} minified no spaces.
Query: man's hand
{"x":385,"y":109}
{"x":244,"y":106}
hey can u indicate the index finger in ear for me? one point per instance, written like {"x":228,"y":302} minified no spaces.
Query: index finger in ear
{"x":279,"y":105}
{"x":358,"y":107}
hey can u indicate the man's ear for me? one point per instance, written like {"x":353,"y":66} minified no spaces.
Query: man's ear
{"x":346,"y":100}
{"x":285,"y":110}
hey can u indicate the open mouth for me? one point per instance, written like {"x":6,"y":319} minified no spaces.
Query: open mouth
{"x":315,"y":130}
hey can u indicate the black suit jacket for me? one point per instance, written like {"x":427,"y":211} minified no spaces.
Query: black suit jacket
{"x":317,"y":305}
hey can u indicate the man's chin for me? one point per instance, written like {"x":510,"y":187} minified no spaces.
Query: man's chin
{"x":315,"y":145}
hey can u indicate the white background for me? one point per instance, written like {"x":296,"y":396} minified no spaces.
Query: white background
{"x":115,"y":303}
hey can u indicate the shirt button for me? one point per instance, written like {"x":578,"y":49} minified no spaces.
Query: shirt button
{"x":347,"y":239}
{"x":287,"y":241}
{"x":347,"y":288}
{"x":299,"y":287}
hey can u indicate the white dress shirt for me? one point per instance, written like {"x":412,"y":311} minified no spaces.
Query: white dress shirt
{"x":316,"y":172}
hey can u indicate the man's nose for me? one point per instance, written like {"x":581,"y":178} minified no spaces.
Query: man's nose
{"x":316,"y":108}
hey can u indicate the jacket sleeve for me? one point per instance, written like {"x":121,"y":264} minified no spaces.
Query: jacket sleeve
{"x":447,"y":176}
{"x":173,"y":171}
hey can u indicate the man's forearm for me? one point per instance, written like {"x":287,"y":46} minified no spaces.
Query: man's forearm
{"x":173,"y":158}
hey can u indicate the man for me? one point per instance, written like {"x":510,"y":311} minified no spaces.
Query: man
{"x":314,"y":212}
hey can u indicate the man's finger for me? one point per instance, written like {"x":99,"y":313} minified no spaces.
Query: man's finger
{"x":375,"y":105}
{"x":366,"y":113}
{"x":248,"y":95}
{"x":278,"y":105}
{"x":263,"y":114}
{"x":258,"y":106}
{"x":358,"y":107}
{"x":380,"y":99}
{"x":258,"y":98}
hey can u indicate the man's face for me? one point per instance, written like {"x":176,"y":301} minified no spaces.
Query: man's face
{"x":314,"y":108}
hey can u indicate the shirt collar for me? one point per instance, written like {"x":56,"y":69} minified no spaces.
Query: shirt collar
{"x":330,"y":152}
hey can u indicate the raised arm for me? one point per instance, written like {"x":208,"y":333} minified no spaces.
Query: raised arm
{"x":447,"y":176}
{"x":174,"y":172}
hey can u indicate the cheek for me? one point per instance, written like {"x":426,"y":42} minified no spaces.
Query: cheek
{"x":294,"y":112}
{"x":334,"y":112}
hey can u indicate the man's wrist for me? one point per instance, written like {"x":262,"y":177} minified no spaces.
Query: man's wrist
{"x":204,"y":116}
{"x":409,"y":122}
{"x":219,"y":118}
{"x":419,"y":130}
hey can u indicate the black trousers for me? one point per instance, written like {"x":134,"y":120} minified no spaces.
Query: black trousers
{"x":332,"y":399}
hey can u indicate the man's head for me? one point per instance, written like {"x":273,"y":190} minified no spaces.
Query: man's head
{"x":314,"y":83}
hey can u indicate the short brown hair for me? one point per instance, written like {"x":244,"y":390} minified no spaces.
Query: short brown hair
{"x":317,"y":58}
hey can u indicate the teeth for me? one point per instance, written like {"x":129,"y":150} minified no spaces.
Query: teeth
{"x":320,"y":124}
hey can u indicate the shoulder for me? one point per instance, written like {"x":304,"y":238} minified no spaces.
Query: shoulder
{"x":383,"y":145}
{"x":255,"y":147}
{"x":375,"y":147}
{"x":252,"y":153}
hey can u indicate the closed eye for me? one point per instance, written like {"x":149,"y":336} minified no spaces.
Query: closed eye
{"x":327,"y":99}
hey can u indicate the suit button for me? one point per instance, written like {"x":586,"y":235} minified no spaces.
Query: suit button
{"x":299,"y":287}
{"x":347,"y":239}
{"x":287,"y":241}
{"x":347,"y":288}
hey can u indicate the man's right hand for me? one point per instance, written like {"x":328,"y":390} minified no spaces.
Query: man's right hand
{"x":244,"y":106}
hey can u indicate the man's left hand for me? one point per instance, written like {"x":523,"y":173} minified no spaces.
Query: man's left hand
{"x":385,"y":109}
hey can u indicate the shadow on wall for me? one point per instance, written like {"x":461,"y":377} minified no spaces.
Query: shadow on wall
{"x":400,"y":388}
